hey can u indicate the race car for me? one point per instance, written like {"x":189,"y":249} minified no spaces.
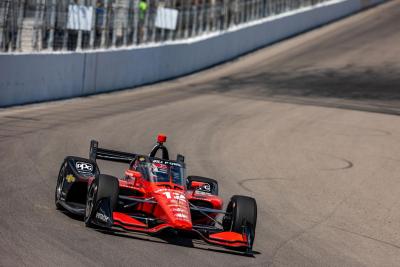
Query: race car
{"x":154,"y":195}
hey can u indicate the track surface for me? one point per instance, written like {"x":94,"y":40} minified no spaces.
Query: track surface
{"x":306,"y":126}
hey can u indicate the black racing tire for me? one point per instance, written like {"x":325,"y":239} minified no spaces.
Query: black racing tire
{"x":242,"y":212}
{"x":104,"y":186}
{"x":201,"y":179}
{"x":59,"y":185}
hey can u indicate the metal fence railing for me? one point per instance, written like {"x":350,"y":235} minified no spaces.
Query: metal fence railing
{"x":69,"y":25}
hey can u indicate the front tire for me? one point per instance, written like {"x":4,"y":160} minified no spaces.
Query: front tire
{"x":59,"y":187}
{"x":90,"y":200}
{"x":242,"y":215}
{"x":104,"y":186}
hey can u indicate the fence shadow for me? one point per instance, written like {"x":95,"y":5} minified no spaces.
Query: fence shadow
{"x":367,"y":89}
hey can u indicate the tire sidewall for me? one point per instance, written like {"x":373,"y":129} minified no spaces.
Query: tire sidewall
{"x":59,"y":186}
{"x":104,"y":186}
{"x":90,"y":207}
{"x":243,"y":211}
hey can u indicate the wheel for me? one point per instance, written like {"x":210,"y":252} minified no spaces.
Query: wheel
{"x":59,"y":186}
{"x":213,"y":183}
{"x":104,"y":186}
{"x":90,"y":199}
{"x":241,"y":215}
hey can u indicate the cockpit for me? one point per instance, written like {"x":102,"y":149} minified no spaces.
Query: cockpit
{"x":160,"y":171}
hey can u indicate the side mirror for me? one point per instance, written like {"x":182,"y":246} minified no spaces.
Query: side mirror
{"x":137,"y":175}
{"x":196,"y":185}
{"x":200,"y":186}
{"x":133,"y":174}
{"x":205,"y":188}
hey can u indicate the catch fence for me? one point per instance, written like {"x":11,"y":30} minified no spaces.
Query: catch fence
{"x":73,"y":25}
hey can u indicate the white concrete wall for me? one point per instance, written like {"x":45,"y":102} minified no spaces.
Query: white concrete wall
{"x":27,"y":78}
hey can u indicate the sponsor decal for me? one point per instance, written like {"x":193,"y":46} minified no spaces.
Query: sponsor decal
{"x":177,"y":203}
{"x":158,"y":167}
{"x":102,"y":217}
{"x":181,"y":216}
{"x":178,"y":210}
{"x":84,"y":167}
{"x":206,"y":188}
{"x":70,"y":178}
{"x":175,"y":195}
{"x":166,"y":162}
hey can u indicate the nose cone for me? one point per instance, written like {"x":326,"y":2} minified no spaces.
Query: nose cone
{"x":175,"y":207}
{"x":183,"y":225}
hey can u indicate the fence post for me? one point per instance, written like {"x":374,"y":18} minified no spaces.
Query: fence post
{"x":50,"y":41}
{"x":135,"y":21}
{"x":114,"y":23}
{"x":125,"y":23}
{"x":93,"y":27}
{"x":226,"y":14}
{"x":271,"y":9}
{"x":35,"y":25}
{"x":11,"y":26}
{"x":154,"y":16}
{"x":146,"y":22}
{"x":208,"y":15}
{"x":37,"y":29}
{"x":181,"y":13}
{"x":253,"y":9}
{"x":260,"y":8}
{"x":19,"y":24}
{"x":213,"y":16}
{"x":66,"y":31}
{"x":104,"y":28}
{"x":3,"y":17}
{"x":171,"y":32}
{"x":163,"y":4}
{"x":187,"y":20}
{"x":194,"y":20}
{"x":232,"y":12}
{"x":201,"y":17}
{"x":79,"y":41}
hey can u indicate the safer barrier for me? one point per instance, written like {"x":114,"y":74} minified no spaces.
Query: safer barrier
{"x":27,"y":78}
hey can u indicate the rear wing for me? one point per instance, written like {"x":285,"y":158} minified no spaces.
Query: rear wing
{"x":96,"y":152}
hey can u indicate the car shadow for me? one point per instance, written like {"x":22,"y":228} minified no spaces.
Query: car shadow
{"x":170,"y":238}
{"x":73,"y":216}
{"x":187,"y":240}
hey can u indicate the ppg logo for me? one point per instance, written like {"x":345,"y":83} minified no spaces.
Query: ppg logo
{"x":206,"y":188}
{"x":84,"y":167}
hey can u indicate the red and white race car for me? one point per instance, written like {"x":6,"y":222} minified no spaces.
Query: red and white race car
{"x":153,"y":196}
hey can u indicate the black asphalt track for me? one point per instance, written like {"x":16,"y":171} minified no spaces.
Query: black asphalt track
{"x":308,"y":127}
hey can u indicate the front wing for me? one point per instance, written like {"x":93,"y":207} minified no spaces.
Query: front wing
{"x":210,"y":234}
{"x":215,"y":237}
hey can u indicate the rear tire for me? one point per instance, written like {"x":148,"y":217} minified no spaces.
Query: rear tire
{"x":104,"y":186}
{"x":243,"y":214}
{"x":213,"y":183}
